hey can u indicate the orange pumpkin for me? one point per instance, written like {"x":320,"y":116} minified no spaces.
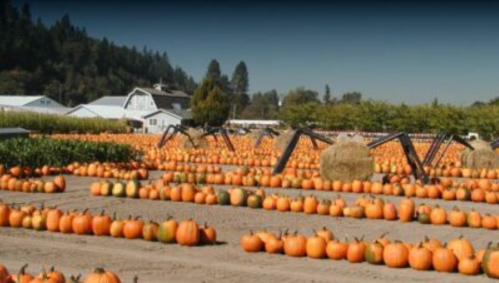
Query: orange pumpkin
{"x":188,"y":233}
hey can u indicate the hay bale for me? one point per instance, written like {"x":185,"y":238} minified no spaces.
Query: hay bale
{"x":281,"y":141}
{"x":199,"y":141}
{"x":347,"y":160}
{"x":482,"y":157}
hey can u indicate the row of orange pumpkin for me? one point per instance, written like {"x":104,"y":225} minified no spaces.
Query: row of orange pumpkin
{"x":8,"y":182}
{"x":364,"y":207}
{"x":482,"y":190}
{"x":457,"y":254}
{"x":185,"y":233}
{"x":99,"y":275}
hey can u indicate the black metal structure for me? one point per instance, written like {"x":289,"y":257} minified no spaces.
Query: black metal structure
{"x":174,"y":130}
{"x":409,"y":151}
{"x":266,"y":132}
{"x":494,"y":144}
{"x":437,"y":143}
{"x":212,"y":131}
{"x":281,"y":164}
{"x":7,"y":133}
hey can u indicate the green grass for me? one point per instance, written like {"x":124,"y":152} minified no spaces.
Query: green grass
{"x":36,"y":152}
{"x":57,"y":124}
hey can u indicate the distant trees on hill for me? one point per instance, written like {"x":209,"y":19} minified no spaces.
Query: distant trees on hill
{"x":62,"y":61}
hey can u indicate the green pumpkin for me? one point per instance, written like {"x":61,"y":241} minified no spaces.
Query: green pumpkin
{"x":254,"y":201}
{"x":183,"y":177}
{"x":167,"y":232}
{"x":424,"y":218}
{"x":490,"y":263}
{"x":200,"y":178}
{"x":119,"y":190}
{"x":370,"y":253}
{"x":132,"y":188}
{"x":223,"y":198}
{"x":176,"y":177}
{"x":163,"y":195}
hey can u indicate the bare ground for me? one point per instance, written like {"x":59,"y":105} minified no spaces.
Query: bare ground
{"x":154,"y":262}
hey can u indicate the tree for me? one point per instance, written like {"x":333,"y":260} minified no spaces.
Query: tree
{"x":38,"y":59}
{"x":214,"y":73}
{"x":300,"y":96}
{"x":327,"y":95}
{"x":351,"y":97}
{"x":239,"y":86}
{"x":262,"y":106}
{"x":210,"y":105}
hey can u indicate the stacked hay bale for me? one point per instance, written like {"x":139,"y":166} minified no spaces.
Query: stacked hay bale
{"x":482,"y":157}
{"x":347,"y":160}
{"x":281,"y":141}
{"x":198,"y":141}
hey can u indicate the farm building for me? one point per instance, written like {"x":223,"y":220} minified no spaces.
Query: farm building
{"x":149,"y":109}
{"x":38,"y":103}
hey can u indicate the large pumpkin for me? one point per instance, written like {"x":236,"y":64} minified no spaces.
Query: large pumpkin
{"x":251,"y":243}
{"x":133,"y":229}
{"x":295,"y":246}
{"x":396,"y":255}
{"x":188,"y":233}
{"x":82,"y":224}
{"x":356,"y":251}
{"x":490,"y":263}
{"x":316,"y":247}
{"x":102,"y":276}
{"x":53,"y":219}
{"x":420,"y":258}
{"x":374,"y":253}
{"x":462,"y":248}
{"x":238,"y":197}
{"x":4,"y":273}
{"x":336,"y":250}
{"x":101,"y":225}
{"x":444,"y":260}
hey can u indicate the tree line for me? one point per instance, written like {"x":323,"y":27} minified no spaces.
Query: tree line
{"x":64,"y":63}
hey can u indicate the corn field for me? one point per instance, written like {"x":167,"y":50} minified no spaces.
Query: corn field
{"x":56,"y":124}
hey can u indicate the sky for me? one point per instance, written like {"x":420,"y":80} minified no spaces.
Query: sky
{"x":398,"y":51}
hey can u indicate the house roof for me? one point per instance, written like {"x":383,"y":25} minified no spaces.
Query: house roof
{"x":170,"y":93}
{"x":109,"y":100}
{"x":43,"y":110}
{"x":18,"y":100}
{"x":110,"y":111}
{"x":182,"y":114}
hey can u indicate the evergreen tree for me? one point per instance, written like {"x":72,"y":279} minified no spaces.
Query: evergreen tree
{"x":239,"y":86}
{"x":327,"y":95}
{"x":210,"y":105}
{"x":214,"y":73}
{"x":36,"y":59}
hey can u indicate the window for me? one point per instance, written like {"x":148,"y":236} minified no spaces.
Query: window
{"x":177,"y":106}
{"x":152,"y":103}
{"x":48,"y":102}
{"x":153,"y":122}
{"x":42,"y":102}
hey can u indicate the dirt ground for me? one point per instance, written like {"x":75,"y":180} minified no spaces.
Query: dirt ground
{"x":155,"y":263}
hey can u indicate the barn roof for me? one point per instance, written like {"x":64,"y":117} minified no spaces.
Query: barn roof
{"x":109,"y":101}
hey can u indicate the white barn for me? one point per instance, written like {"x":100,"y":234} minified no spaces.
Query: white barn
{"x":154,"y":108}
{"x":32,"y":103}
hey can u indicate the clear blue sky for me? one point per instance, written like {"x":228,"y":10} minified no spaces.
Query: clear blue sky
{"x":400,"y":51}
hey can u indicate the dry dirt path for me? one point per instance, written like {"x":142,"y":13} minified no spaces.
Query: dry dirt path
{"x":154,"y":262}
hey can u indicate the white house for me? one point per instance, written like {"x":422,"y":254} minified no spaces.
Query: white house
{"x":32,"y":103}
{"x":154,"y":108}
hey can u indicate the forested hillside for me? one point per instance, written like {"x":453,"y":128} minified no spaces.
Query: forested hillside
{"x":62,"y":60}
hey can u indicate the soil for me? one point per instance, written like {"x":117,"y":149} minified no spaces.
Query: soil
{"x":155,"y":263}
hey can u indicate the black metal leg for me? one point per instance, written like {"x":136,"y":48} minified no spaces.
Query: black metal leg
{"x":281,"y":164}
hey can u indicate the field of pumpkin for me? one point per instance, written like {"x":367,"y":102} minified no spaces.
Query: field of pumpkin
{"x":77,"y":230}
{"x":52,"y":275}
